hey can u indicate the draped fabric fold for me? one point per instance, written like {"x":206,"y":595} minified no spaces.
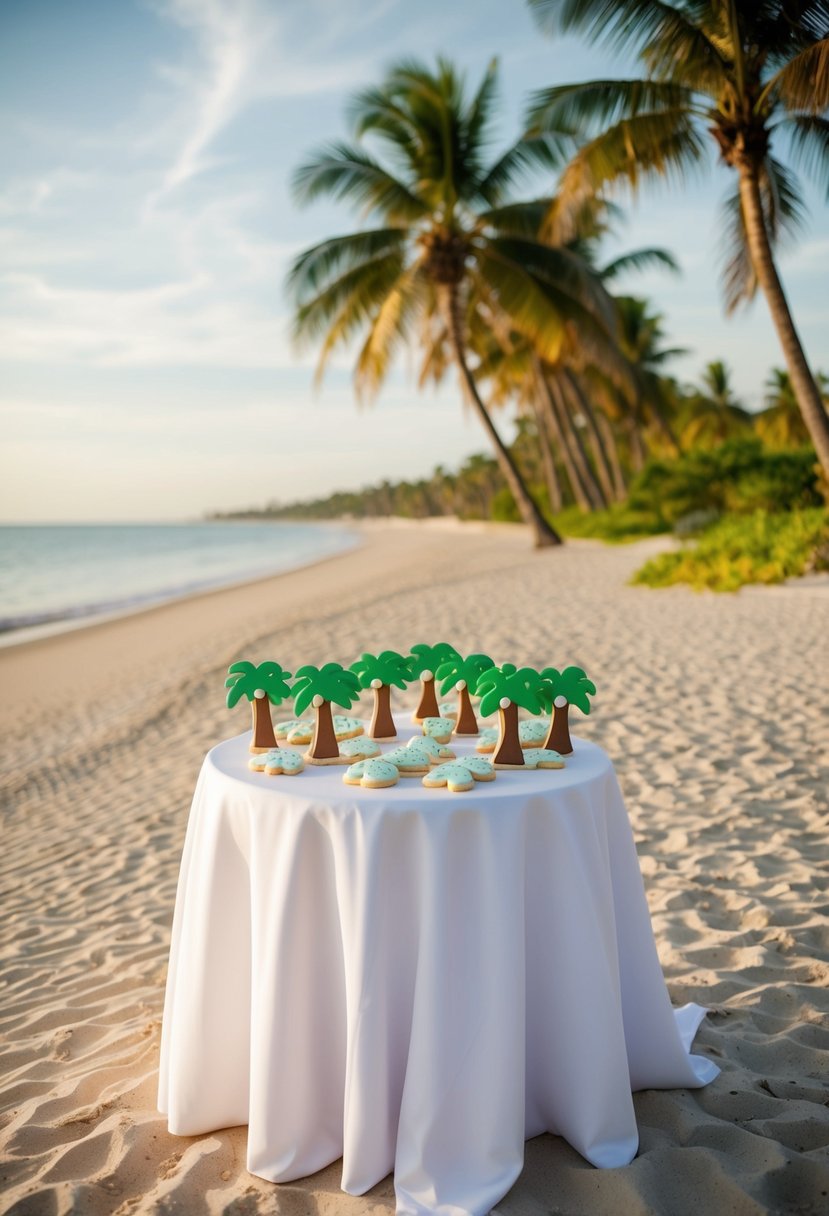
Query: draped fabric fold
{"x":415,"y":981}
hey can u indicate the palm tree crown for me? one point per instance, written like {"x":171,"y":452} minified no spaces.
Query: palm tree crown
{"x":332,"y":682}
{"x":520,"y":685}
{"x":424,"y":657}
{"x":750,"y":73}
{"x":458,"y":668}
{"x":388,"y":667}
{"x":572,"y":684}
{"x":449,"y":234}
{"x":245,"y":680}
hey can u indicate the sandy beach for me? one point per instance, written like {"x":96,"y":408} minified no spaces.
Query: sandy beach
{"x":715,"y":711}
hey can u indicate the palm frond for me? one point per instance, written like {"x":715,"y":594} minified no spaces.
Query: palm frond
{"x":809,"y":146}
{"x":545,"y":153}
{"x":640,"y":260}
{"x":516,"y":219}
{"x":344,"y":172}
{"x":389,"y":329}
{"x":584,"y":108}
{"x":625,"y":24}
{"x":329,"y":259}
{"x":803,"y":82}
{"x":360,"y":286}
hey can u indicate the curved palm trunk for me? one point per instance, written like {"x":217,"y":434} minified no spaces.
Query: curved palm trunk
{"x":548,"y":463}
{"x":427,"y":706}
{"x":567,"y":403}
{"x":612,"y":449}
{"x":803,"y":382}
{"x":559,"y":737}
{"x":263,"y":738}
{"x":550,"y":407}
{"x":324,"y":744}
{"x":382,"y":723}
{"x":508,"y":751}
{"x":599,"y":454}
{"x":543,"y":534}
{"x":466,"y":722}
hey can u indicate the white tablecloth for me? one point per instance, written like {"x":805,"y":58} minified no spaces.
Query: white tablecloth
{"x":414,"y":980}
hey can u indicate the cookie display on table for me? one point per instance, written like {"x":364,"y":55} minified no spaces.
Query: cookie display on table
{"x":462,"y":675}
{"x":381,"y":672}
{"x":438,"y":753}
{"x":410,"y":761}
{"x":460,"y":775}
{"x":263,"y":686}
{"x":424,"y":661}
{"x":319,"y":688}
{"x":542,"y":757}
{"x":504,"y":689}
{"x":372,"y":774}
{"x":439,"y":729}
{"x":560,"y":690}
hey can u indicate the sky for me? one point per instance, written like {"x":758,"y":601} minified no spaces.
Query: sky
{"x":147,"y":223}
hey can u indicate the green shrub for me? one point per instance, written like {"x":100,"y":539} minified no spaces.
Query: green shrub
{"x":617,"y":524}
{"x":757,"y":548}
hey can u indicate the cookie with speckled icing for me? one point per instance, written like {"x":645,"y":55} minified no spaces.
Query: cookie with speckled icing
{"x":411,"y":761}
{"x":372,"y":774}
{"x":533,"y":731}
{"x":277,"y":760}
{"x":448,"y":709}
{"x":438,"y":753}
{"x":458,"y":776}
{"x":346,"y":727}
{"x":439,"y":729}
{"x":543,"y":757}
{"x":487,"y":739}
{"x":360,"y":746}
{"x":282,"y":729}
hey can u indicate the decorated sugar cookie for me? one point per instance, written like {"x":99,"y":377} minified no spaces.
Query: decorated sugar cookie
{"x":438,"y":753}
{"x":372,"y":774}
{"x":362,"y":747}
{"x":560,"y":690}
{"x":379,"y":672}
{"x":542,"y":757}
{"x":278,"y":760}
{"x":439,"y":729}
{"x":504,"y":689}
{"x":263,"y":685}
{"x":411,"y":761}
{"x":319,"y":687}
{"x":532,"y":732}
{"x":447,"y":709}
{"x":424,"y":661}
{"x":462,"y":675}
{"x":460,"y":775}
{"x":283,"y":729}
{"x":346,"y":727}
{"x":487,"y":739}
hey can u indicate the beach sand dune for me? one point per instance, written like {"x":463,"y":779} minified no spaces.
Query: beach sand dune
{"x":715,"y":711}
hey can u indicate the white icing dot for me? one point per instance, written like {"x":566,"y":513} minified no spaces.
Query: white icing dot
{"x":505,"y":702}
{"x":317,"y":701}
{"x":376,"y":683}
{"x":426,"y":675}
{"x":461,"y":685}
{"x":259,"y":694}
{"x":560,"y":702}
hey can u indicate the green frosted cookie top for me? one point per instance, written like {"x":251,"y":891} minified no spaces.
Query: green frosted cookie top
{"x":407,"y":757}
{"x":374,"y":770}
{"x":535,"y":755}
{"x":455,"y":771}
{"x":284,"y":758}
{"x":361,"y":746}
{"x":477,"y":765}
{"x":532,"y":729}
{"x":437,"y":726}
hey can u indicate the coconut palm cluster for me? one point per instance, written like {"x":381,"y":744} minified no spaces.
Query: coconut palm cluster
{"x":440,"y":667}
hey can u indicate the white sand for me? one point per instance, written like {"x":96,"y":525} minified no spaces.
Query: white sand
{"x":716,"y":713}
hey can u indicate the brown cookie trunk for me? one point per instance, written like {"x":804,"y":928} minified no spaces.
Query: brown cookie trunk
{"x":466,"y":723}
{"x":508,"y":750}
{"x":427,"y":706}
{"x":382,"y":723}
{"x":324,"y":744}
{"x":263,"y":737}
{"x":559,"y":737}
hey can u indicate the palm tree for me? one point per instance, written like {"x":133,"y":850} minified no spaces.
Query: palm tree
{"x":449,"y":234}
{"x":319,"y":687}
{"x":379,"y":672}
{"x":560,"y":690}
{"x":424,"y":660}
{"x":715,"y":413}
{"x":780,"y":424}
{"x":462,"y":675}
{"x":746,"y":72}
{"x":263,"y":686}
{"x":504,"y":689}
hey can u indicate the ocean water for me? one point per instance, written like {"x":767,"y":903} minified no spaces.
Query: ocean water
{"x":57,"y":576}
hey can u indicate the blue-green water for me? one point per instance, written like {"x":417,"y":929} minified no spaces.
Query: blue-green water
{"x":57,"y":575}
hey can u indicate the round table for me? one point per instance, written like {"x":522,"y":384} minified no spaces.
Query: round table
{"x":415,"y":980}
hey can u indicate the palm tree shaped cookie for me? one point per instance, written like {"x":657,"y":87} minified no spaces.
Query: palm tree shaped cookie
{"x":504,"y":689}
{"x":560,"y":690}
{"x":319,"y":687}
{"x":263,"y":685}
{"x":379,"y":672}
{"x":424,"y":661}
{"x":461,"y":675}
